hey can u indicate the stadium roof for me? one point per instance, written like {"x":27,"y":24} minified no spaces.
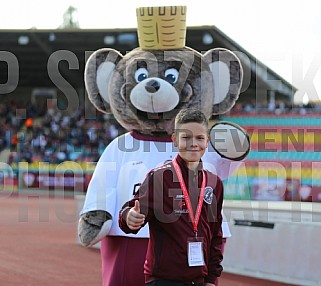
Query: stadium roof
{"x":40,"y":58}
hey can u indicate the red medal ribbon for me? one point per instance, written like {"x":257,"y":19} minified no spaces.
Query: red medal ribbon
{"x":193,"y":218}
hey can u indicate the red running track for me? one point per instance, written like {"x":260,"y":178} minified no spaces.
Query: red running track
{"x":38,"y":245}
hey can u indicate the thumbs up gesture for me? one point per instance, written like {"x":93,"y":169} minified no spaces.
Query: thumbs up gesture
{"x":134,"y":218}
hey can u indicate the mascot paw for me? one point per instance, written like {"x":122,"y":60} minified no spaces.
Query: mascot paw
{"x":230,"y":140}
{"x":93,"y":226}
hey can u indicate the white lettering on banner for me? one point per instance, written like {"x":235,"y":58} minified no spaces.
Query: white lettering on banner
{"x":64,"y":181}
{"x":51,"y":180}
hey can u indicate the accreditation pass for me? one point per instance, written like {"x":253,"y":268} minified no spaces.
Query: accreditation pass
{"x":195,"y":253}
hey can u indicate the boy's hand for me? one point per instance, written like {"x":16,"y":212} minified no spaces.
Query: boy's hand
{"x":134,"y":218}
{"x":209,"y":284}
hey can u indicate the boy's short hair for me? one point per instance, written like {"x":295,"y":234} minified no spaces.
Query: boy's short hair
{"x":190,"y":115}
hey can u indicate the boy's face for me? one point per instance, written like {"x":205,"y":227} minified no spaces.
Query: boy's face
{"x":191,"y":139}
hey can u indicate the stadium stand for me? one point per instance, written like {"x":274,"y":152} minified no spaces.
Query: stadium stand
{"x":32,"y":135}
{"x":284,"y":160}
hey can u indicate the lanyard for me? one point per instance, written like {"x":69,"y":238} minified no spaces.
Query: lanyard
{"x":193,"y":218}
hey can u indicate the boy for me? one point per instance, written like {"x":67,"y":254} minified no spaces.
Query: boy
{"x":182,"y":204}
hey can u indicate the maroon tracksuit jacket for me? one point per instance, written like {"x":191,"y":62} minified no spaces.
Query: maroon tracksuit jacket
{"x":162,"y":201}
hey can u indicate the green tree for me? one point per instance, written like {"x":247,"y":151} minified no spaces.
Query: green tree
{"x":70,"y":19}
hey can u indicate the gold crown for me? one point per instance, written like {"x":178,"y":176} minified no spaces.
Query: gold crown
{"x":161,"y":28}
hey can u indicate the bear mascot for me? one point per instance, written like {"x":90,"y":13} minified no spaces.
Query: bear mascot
{"x":144,"y":90}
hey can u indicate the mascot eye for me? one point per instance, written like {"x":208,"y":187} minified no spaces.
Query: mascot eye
{"x":171,"y":75}
{"x":141,"y":74}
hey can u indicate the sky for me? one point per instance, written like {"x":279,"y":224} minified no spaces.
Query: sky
{"x":283,"y":34}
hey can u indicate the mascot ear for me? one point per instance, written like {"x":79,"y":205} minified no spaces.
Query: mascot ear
{"x":227,"y":75}
{"x":98,"y":71}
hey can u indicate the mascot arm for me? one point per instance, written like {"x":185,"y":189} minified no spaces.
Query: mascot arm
{"x":93,"y":226}
{"x":97,"y":215}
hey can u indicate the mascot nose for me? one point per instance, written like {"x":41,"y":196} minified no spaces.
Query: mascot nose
{"x":152,"y":86}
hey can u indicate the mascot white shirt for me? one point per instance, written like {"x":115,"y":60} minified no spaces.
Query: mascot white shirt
{"x":124,"y":165}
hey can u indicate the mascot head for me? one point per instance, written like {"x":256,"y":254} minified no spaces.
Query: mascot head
{"x":146,"y":88}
